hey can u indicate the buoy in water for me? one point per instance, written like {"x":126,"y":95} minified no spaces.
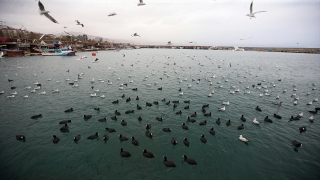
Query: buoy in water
{"x":94,"y":54}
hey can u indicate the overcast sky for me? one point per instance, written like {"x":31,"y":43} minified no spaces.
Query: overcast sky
{"x":287,"y":23}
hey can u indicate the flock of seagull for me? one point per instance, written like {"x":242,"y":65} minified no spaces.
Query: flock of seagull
{"x":141,"y":3}
{"x":261,"y":86}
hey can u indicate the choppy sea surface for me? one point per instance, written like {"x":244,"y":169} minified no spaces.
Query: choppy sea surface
{"x":269,"y":154}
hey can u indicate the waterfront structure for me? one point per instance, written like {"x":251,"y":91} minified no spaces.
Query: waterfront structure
{"x":21,"y":39}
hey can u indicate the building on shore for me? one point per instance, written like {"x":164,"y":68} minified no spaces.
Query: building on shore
{"x":28,"y":41}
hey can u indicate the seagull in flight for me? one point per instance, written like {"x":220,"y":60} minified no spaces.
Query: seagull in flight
{"x":169,"y":43}
{"x":247,"y":38}
{"x":192,"y":42}
{"x":68,"y":33}
{"x":46,"y":13}
{"x":135,"y":34}
{"x":112,"y":14}
{"x":141,"y":3}
{"x":251,"y":15}
{"x":78,"y":23}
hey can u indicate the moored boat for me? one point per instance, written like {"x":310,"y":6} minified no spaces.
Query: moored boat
{"x":14,"y":53}
{"x":60,"y":52}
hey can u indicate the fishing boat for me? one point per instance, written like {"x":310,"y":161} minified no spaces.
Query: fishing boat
{"x":60,"y":52}
{"x":14,"y":53}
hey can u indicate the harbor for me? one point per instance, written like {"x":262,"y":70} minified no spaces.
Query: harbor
{"x":19,"y":42}
{"x":159,"y":89}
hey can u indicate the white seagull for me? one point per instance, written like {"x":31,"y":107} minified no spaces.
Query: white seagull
{"x":43,"y":93}
{"x":251,"y":15}
{"x":135,"y":34}
{"x":141,"y":3}
{"x":12,"y":96}
{"x":26,"y":96}
{"x":226,"y":103}
{"x":222,"y":109}
{"x":46,"y":13}
{"x":243,"y":139}
{"x":255,"y":121}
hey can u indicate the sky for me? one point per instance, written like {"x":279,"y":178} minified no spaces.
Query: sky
{"x":287,"y":23}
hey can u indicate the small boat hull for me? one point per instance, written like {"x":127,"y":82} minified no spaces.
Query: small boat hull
{"x":59,"y":53}
{"x":15,"y":53}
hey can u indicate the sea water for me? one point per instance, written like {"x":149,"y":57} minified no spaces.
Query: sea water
{"x":269,"y":154}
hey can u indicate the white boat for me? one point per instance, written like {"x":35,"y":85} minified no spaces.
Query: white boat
{"x":59,"y":52}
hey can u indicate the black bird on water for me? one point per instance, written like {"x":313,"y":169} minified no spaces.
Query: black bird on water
{"x":77,"y":137}
{"x":243,"y":118}
{"x":36,"y":116}
{"x":258,"y":109}
{"x":212,"y":131}
{"x":186,"y":142}
{"x":218,"y":121}
{"x":110,"y":130}
{"x":147,"y":154}
{"x":167,"y":162}
{"x":166,"y":129}
{"x":68,"y":110}
{"x":296,"y":143}
{"x":20,"y":137}
{"x":117,"y":113}
{"x":174,"y":141}
{"x":189,"y":160}
{"x":277,"y":116}
{"x":55,"y":139}
{"x":124,"y":153}
{"x":93,"y":136}
{"x":267,"y":119}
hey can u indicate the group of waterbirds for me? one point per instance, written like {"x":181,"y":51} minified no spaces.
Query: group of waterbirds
{"x":166,"y":129}
{"x":176,"y":105}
